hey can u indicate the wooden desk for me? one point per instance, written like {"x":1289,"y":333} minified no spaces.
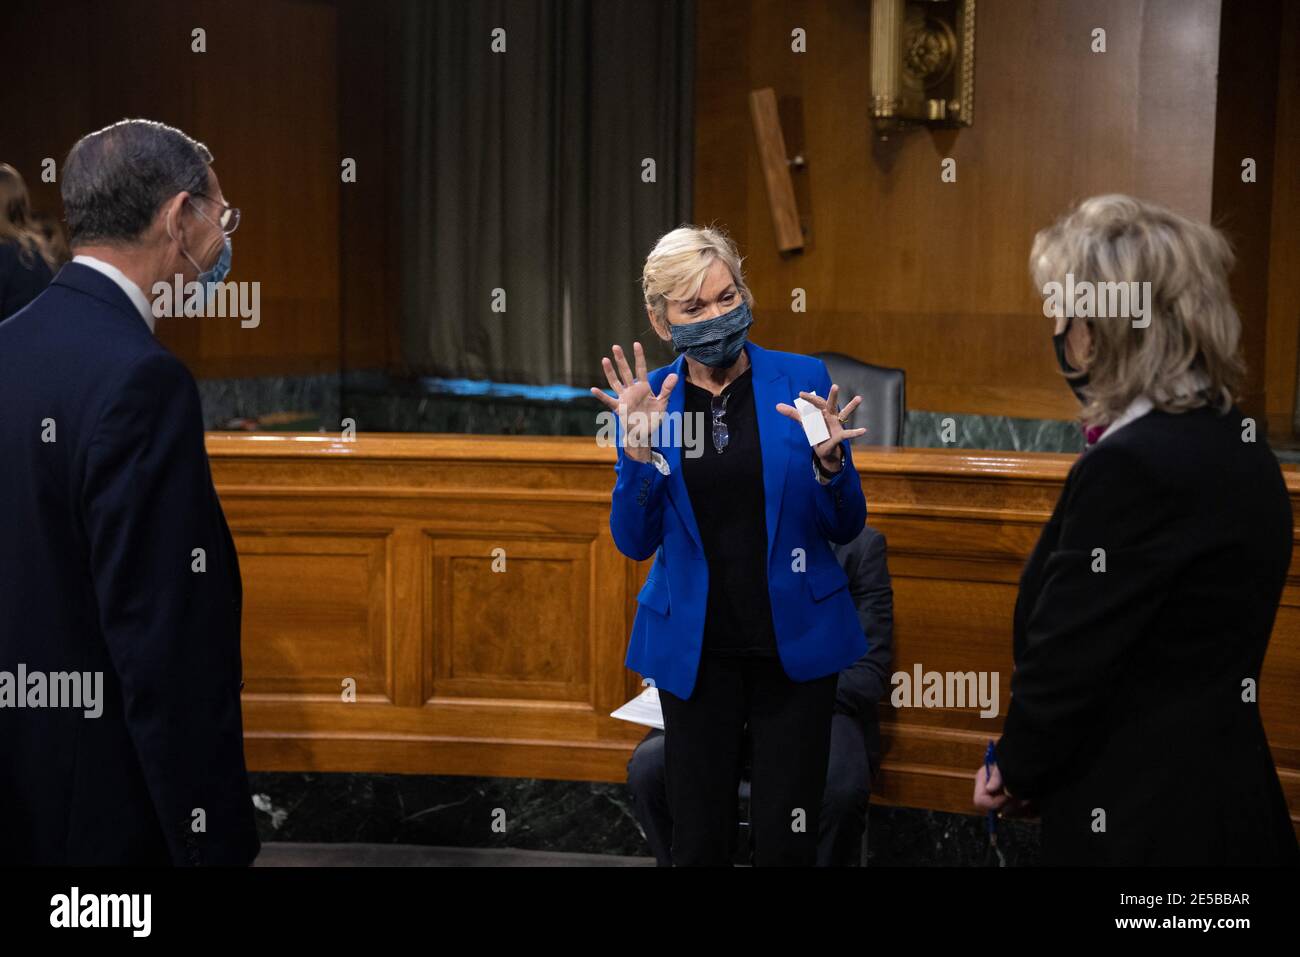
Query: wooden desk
{"x":373,"y":561}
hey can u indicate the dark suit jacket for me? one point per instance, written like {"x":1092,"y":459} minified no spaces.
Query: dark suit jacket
{"x":97,"y":565}
{"x":863,"y":684}
{"x":20,"y":282}
{"x":1128,"y":686}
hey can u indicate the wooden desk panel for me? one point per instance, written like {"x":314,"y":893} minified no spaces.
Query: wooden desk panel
{"x":444,"y":604}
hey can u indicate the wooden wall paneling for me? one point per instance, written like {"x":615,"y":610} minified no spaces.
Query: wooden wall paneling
{"x":905,"y":270}
{"x":263,"y":97}
{"x":524,"y":666}
{"x":369,"y":131}
{"x":511,"y":614}
{"x":265,"y":101}
{"x":1282,"y":346}
{"x":63,"y":53}
{"x":1244,"y":127}
{"x":328,"y":600}
{"x":515,"y":674}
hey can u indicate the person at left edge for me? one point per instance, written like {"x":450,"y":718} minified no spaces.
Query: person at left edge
{"x":26,"y":256}
{"x":105,"y":501}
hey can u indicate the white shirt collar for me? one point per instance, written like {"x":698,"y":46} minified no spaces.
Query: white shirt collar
{"x":1135,"y":410}
{"x":124,"y":282}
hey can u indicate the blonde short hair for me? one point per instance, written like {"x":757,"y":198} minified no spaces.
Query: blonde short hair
{"x":676,"y":267}
{"x":1193,"y":326}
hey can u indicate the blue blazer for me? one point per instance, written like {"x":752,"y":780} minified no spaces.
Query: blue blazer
{"x":816,"y":622}
{"x":105,"y":494}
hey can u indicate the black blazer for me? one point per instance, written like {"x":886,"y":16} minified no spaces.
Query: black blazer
{"x":863,"y":684}
{"x":98,"y":574}
{"x":20,"y":282}
{"x":1147,"y":602}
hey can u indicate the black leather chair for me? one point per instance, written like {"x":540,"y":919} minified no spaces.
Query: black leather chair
{"x":883,"y":403}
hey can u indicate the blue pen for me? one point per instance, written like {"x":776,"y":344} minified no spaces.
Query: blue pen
{"x":990,"y":756}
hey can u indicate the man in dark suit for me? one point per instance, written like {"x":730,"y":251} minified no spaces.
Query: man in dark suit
{"x":855,"y":727}
{"x":118,"y":574}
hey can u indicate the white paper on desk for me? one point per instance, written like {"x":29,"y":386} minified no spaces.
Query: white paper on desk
{"x":814,"y":423}
{"x":643,"y":709}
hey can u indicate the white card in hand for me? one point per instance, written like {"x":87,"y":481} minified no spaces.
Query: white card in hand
{"x":814,"y":423}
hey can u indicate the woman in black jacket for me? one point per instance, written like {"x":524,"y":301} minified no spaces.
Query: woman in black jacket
{"x":26,"y":258}
{"x":1146,"y":607}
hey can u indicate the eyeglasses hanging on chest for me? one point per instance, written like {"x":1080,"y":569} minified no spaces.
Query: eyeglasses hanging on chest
{"x":720,"y":434}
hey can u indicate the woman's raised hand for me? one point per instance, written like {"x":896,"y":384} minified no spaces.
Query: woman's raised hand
{"x":632,"y":394}
{"x":833,"y":415}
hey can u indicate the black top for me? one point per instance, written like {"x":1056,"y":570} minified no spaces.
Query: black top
{"x":20,"y":282}
{"x":726,"y":491}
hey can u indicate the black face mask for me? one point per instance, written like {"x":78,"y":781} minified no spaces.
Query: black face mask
{"x":1076,"y":384}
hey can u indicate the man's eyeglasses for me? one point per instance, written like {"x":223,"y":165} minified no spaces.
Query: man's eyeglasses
{"x":228,"y":221}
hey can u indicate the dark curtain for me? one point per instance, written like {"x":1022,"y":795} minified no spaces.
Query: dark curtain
{"x":522,"y":171}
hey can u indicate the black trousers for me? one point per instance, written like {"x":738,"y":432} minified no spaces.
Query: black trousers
{"x":790,"y":732}
{"x":844,"y":804}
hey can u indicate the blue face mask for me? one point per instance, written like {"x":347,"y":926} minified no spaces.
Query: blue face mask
{"x":218,"y":271}
{"x":714,"y":342}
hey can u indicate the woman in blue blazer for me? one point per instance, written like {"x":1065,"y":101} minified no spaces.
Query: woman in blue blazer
{"x":745,"y":617}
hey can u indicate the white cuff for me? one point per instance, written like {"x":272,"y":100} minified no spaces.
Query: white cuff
{"x":661,"y":463}
{"x":818,"y":472}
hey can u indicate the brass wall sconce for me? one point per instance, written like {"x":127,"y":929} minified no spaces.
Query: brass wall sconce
{"x":922,"y":64}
